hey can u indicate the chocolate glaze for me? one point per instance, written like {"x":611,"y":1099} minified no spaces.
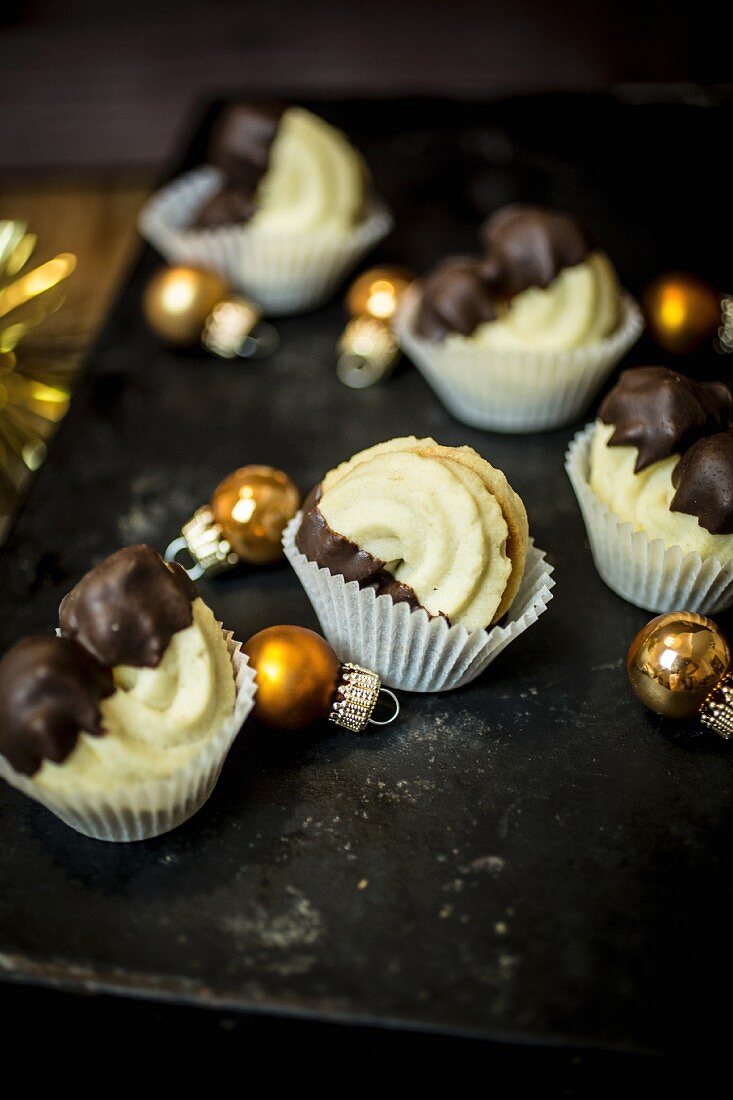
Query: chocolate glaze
{"x":662,"y":413}
{"x":343,"y":557}
{"x":530,"y":245}
{"x":230,"y":205}
{"x":50,"y":689}
{"x":240,"y":149}
{"x":126,"y":610}
{"x":526,"y":246}
{"x":703,"y":479}
{"x":456,"y":297}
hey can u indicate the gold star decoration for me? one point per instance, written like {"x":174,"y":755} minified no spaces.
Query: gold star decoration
{"x":34,"y":388}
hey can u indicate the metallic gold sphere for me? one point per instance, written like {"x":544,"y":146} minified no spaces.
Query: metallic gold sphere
{"x":683,"y":312}
{"x":377,"y":291}
{"x":297,"y":672}
{"x":177,"y":301}
{"x":252,"y":507}
{"x":675,"y":661}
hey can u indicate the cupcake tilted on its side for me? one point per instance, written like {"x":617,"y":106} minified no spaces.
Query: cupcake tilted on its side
{"x":283,"y":209}
{"x":521,"y":337}
{"x":121,"y":724}
{"x":411,"y":553}
{"x":654,"y":479}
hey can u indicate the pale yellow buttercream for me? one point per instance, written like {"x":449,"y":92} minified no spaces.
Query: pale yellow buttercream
{"x":643,"y":499}
{"x":315,"y":180}
{"x":579,"y":307}
{"x":158,"y":718}
{"x":430,"y":519}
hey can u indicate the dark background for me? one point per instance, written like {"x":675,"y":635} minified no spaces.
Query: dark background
{"x":89,"y":84}
{"x":87,"y":87}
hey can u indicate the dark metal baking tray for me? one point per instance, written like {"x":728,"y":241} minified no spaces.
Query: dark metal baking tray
{"x":532,"y":856}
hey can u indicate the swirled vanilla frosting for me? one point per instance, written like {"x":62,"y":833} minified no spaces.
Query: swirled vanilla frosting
{"x":156,"y":719}
{"x":139,"y":680}
{"x":661,"y":459}
{"x":540,"y":286}
{"x":436,"y":527}
{"x":285,"y":171}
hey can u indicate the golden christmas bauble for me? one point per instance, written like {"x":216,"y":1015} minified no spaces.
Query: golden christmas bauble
{"x":683,"y":312}
{"x":376,"y":292}
{"x":177,"y":301}
{"x":252,"y":507}
{"x":675,"y":661}
{"x":297,"y":673}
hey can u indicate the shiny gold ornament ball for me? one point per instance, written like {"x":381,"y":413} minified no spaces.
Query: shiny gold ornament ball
{"x":675,"y":661}
{"x":177,"y":301}
{"x":252,"y":507}
{"x":376,"y":292}
{"x":297,"y":672}
{"x":683,"y":312}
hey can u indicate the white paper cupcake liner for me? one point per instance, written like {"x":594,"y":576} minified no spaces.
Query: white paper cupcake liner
{"x":644,"y":571}
{"x":283,"y":273}
{"x":508,"y":391}
{"x":407,"y":648}
{"x":143,"y":810}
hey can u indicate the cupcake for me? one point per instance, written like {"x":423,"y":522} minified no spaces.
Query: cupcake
{"x":120,"y":724}
{"x":418,"y":562}
{"x":654,"y":479}
{"x":521,"y":337}
{"x":283,"y":210}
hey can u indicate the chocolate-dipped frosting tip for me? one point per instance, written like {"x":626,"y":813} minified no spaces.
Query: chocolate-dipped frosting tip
{"x":126,"y":609}
{"x":703,"y":480}
{"x":50,"y":690}
{"x":229,"y":205}
{"x":661,"y":412}
{"x":243,"y":131}
{"x":530,"y":245}
{"x":456,"y":296}
{"x":342,"y":557}
{"x":525,"y":246}
{"x":240,"y":148}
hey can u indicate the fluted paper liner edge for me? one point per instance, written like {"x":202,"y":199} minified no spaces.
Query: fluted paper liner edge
{"x":282,"y":273}
{"x":516,"y":391}
{"x":644,"y":571}
{"x":405,"y":647}
{"x":143,"y":810}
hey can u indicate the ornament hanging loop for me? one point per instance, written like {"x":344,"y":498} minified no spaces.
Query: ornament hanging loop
{"x":234,"y":328}
{"x":180,"y":546}
{"x":357,"y":692}
{"x":383,"y":691}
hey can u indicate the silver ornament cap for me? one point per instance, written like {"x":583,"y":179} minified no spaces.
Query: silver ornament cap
{"x":717,"y":711}
{"x":356,"y":696}
{"x":203,"y":539}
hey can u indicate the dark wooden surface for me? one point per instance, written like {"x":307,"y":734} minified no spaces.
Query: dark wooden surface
{"x":603,"y":917}
{"x":90,"y":84}
{"x":92,"y":215}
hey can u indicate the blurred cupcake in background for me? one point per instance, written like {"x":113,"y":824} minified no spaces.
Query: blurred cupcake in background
{"x":283,"y":209}
{"x":520,"y":338}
